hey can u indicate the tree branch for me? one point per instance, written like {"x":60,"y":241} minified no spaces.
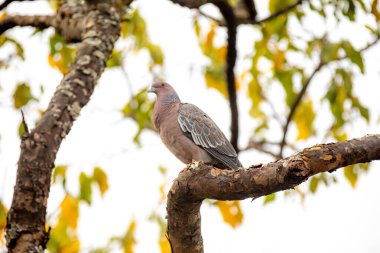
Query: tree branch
{"x":228,"y":15}
{"x":200,"y":181}
{"x":278,"y":13}
{"x":251,"y":9}
{"x":41,"y":22}
{"x":99,"y":29}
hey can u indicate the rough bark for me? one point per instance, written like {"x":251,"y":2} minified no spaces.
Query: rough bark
{"x":200,"y":181}
{"x":97,"y":27}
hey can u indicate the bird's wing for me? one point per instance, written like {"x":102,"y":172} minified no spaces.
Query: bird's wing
{"x":203,"y":131}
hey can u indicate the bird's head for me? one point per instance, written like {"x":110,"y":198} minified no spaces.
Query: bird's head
{"x":164,"y":91}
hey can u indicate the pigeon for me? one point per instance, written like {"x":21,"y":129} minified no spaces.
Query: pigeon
{"x":188,"y":132}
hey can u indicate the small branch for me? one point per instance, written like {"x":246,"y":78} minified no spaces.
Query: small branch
{"x":200,"y":181}
{"x":41,"y":22}
{"x":251,"y":9}
{"x":279,"y":12}
{"x":228,"y":14}
{"x":5,"y":4}
{"x":304,"y":88}
{"x":295,"y":106}
{"x":26,"y":129}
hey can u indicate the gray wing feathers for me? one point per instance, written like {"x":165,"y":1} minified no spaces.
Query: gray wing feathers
{"x":205,"y":133}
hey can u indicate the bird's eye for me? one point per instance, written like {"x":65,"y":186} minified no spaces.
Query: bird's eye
{"x":162,"y":85}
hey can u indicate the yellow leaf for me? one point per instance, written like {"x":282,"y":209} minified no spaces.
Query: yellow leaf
{"x":100,"y":178}
{"x":129,"y":239}
{"x":215,"y":79}
{"x":3,"y":221}
{"x":210,"y":36}
{"x":164,"y":245}
{"x":71,"y":247}
{"x":304,"y":118}
{"x":70,"y":211}
{"x":351,"y":174}
{"x":231,"y":212}
{"x":3,"y":15}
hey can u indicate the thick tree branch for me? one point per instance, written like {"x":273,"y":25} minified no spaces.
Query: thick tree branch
{"x":41,"y":22}
{"x":200,"y":181}
{"x":229,"y":17}
{"x":99,"y":29}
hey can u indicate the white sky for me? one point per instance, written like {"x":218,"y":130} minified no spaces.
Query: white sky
{"x":336,"y":219}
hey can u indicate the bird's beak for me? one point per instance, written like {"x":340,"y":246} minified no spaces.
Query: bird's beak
{"x":152,"y":90}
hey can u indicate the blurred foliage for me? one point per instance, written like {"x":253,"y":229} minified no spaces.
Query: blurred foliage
{"x":231,"y":212}
{"x":3,"y":221}
{"x":61,"y":54}
{"x":135,"y":29}
{"x":22,"y":95}
{"x":215,"y":70}
{"x":139,"y":109}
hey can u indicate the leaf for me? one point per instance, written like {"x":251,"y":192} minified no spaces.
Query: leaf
{"x":351,"y":174}
{"x":60,"y":55}
{"x":330,"y":52}
{"x":255,"y":94}
{"x":3,"y":221}
{"x":128,"y":241}
{"x":364,"y":112}
{"x":214,"y":77}
{"x":139,"y":109}
{"x":116,"y":59}
{"x":100,"y":177}
{"x":63,"y":236}
{"x":22,"y":95}
{"x":231,"y":212}
{"x":164,"y":244}
{"x":70,"y":211}
{"x":304,"y":119}
{"x":269,"y":198}
{"x":85,"y":188}
{"x":16,"y":44}
{"x":313,"y":185}
{"x":354,"y":55}
{"x":60,"y":172}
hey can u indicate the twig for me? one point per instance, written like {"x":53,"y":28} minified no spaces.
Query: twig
{"x":5,"y":4}
{"x":41,"y":22}
{"x":279,"y":12}
{"x":26,"y":129}
{"x":228,"y":15}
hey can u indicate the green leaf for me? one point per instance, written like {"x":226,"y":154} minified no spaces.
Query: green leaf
{"x":313,"y":185}
{"x":139,"y":109}
{"x":60,"y":172}
{"x":116,"y":59}
{"x":85,"y":188}
{"x":100,"y":177}
{"x":354,"y":55}
{"x":17,"y":45}
{"x":22,"y":95}
{"x":330,"y":52}
{"x":269,"y":198}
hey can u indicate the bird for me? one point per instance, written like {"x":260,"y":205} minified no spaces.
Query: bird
{"x":188,"y":132}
